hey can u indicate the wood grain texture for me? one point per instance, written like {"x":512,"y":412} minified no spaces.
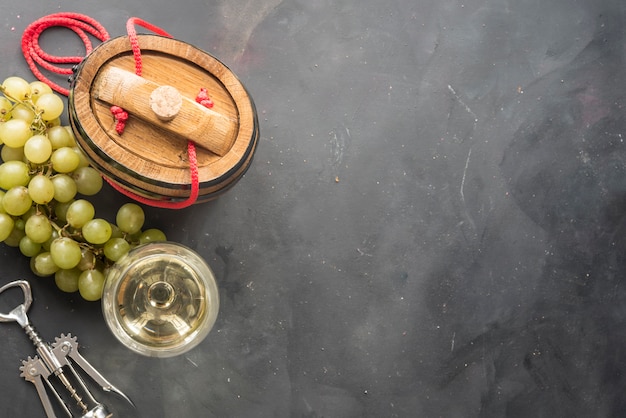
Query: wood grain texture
{"x":150,"y":157}
{"x":206,"y":127}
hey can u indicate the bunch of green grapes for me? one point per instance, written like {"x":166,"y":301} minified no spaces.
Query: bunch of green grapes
{"x":44,"y":181}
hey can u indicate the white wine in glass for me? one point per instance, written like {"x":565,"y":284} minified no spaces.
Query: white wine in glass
{"x":161,"y":299}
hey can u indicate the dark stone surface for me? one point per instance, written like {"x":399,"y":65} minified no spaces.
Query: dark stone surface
{"x":433,"y":224}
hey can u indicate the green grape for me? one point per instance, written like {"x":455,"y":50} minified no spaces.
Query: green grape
{"x":116,"y":232}
{"x":65,"y":252}
{"x":71,"y":133}
{"x":2,"y":193}
{"x":87,"y":260}
{"x":51,"y":105}
{"x":41,"y":189}
{"x":67,"y":279}
{"x":115,"y":248}
{"x":37,"y":149}
{"x":37,"y":88}
{"x":97,"y":231}
{"x":13,"y":173}
{"x":84,"y":162}
{"x":14,"y":239}
{"x":12,"y":154}
{"x":64,"y":160}
{"x":17,"y":201}
{"x":152,"y":235}
{"x":6,"y":226}
{"x":88,"y":180}
{"x":130,"y":218}
{"x":28,"y":247}
{"x":15,"y":132}
{"x":38,"y":228}
{"x":90,"y":285}
{"x":52,"y":123}
{"x":59,"y":137}
{"x":5,"y":109}
{"x":79,"y":212}
{"x":64,"y":188}
{"x":16,"y":88}
{"x":134,"y":238}
{"x":46,"y":245}
{"x":60,"y":210}
{"x":23,"y":112}
{"x":43,"y":265}
{"x":20,"y":224}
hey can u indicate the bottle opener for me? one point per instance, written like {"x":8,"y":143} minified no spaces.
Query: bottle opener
{"x":54,"y":366}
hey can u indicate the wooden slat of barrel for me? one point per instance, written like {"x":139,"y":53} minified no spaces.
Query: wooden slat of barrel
{"x":206,"y":127}
{"x":147,"y":158}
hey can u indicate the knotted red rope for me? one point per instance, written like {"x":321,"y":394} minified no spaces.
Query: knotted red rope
{"x":83,"y":26}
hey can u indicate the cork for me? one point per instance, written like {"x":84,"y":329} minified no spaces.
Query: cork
{"x":166,"y":102}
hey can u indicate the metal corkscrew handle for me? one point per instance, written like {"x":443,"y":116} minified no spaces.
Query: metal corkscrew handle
{"x":19,"y":313}
{"x":57,"y":361}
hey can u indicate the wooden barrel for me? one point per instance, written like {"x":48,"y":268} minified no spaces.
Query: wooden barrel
{"x":150,"y":157}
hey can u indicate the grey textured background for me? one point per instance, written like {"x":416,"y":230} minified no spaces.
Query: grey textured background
{"x":433,"y":224}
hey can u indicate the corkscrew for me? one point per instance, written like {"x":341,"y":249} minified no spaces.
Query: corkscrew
{"x":55,"y":366}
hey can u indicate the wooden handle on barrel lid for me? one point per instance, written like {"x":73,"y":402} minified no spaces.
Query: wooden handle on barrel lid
{"x":164,"y":107}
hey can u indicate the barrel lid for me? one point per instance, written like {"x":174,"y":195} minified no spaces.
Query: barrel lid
{"x":150,"y":156}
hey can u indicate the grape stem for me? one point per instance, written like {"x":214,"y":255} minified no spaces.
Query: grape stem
{"x":38,"y":125}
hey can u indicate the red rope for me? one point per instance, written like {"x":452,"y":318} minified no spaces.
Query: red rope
{"x":35,"y":55}
{"x":204,"y":99}
{"x":120,"y":116}
{"x":166,"y":204}
{"x":83,"y":25}
{"x":134,"y":43}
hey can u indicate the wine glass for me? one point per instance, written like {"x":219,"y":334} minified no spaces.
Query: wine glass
{"x":161,"y":299}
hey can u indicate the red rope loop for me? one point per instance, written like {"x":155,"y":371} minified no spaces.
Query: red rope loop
{"x":35,"y":56}
{"x":83,"y":26}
